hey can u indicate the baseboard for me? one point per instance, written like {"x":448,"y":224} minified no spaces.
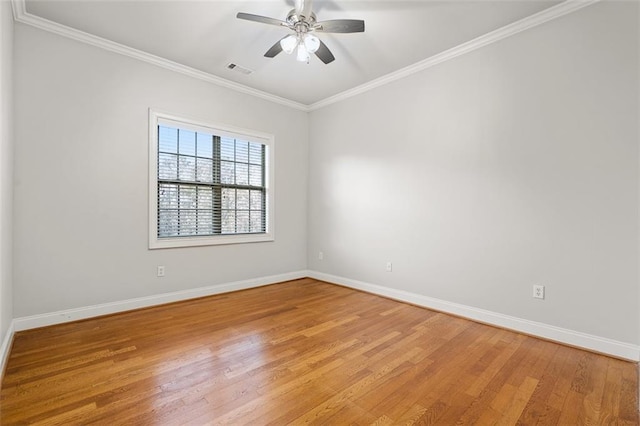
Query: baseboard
{"x":561,"y":335}
{"x":68,"y":315}
{"x":569,"y":337}
{"x":6,"y":348}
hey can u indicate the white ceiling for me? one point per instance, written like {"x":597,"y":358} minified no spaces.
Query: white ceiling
{"x":206,"y":36}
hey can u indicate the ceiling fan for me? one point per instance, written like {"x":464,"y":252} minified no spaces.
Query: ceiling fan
{"x":303,"y":22}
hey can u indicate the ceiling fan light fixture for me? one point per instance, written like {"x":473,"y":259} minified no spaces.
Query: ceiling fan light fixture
{"x":303,"y":21}
{"x":311,"y":43}
{"x":289,"y":43}
{"x":303,"y":54}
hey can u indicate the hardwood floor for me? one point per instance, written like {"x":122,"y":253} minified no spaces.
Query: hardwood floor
{"x":305,"y":351}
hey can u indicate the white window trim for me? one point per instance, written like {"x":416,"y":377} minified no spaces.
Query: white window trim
{"x":268,"y":140}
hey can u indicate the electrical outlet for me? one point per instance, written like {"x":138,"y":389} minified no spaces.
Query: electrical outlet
{"x":161,"y":271}
{"x":538,"y":291}
{"x":389,"y":267}
{"x":320,"y":255}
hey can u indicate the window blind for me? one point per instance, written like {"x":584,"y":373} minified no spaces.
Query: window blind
{"x":209,"y":184}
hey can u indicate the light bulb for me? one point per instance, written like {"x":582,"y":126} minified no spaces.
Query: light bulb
{"x":289,"y":43}
{"x":303,"y":55}
{"x":312,"y":43}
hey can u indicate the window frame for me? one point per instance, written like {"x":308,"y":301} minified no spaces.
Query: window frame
{"x":158,"y":117}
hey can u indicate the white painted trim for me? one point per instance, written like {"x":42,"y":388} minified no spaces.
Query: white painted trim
{"x":159,"y":117}
{"x":22,"y":16}
{"x":5,"y":349}
{"x":68,"y":315}
{"x":561,"y":335}
{"x":539,"y":18}
{"x":546,"y":331}
{"x":19,"y":8}
{"x":568,"y":6}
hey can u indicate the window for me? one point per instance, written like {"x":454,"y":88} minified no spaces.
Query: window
{"x":209,"y":184}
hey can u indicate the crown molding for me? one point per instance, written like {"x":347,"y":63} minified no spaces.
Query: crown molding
{"x":564,"y":8}
{"x":21,"y":15}
{"x":19,"y":8}
{"x":568,"y":6}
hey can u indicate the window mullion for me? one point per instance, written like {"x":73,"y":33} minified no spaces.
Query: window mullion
{"x":178,"y":177}
{"x":235,"y":181}
{"x":195,"y":177}
{"x":217,"y":190}
{"x":264,"y":192}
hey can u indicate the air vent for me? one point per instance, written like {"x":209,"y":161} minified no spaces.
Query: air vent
{"x":238,"y":68}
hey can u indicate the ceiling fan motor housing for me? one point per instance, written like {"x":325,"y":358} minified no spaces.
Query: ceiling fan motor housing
{"x":301,"y":23}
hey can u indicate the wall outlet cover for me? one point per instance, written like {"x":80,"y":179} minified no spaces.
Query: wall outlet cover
{"x":538,"y":291}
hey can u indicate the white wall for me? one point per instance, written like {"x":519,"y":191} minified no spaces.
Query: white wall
{"x":81,"y":178}
{"x":513,"y":165}
{"x":6,"y":167}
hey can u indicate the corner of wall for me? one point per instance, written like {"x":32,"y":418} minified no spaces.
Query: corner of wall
{"x":6,"y":179}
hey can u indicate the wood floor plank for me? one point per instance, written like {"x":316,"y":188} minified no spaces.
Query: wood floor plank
{"x":430,"y":380}
{"x":447,"y":399}
{"x":539,"y":409}
{"x":305,"y":351}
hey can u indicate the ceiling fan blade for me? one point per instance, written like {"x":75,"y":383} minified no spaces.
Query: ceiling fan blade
{"x":324,"y":53}
{"x":261,"y":19}
{"x":340,"y":26}
{"x":275,"y":49}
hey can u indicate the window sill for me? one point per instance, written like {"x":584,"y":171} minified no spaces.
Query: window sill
{"x":161,"y":243}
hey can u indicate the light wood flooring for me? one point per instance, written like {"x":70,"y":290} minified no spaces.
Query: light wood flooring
{"x":305,"y":351}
